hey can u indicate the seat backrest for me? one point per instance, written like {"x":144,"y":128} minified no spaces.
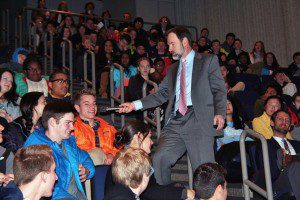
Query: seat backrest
{"x":98,"y":182}
{"x":251,"y":81}
{"x":246,"y":101}
{"x":296,"y":80}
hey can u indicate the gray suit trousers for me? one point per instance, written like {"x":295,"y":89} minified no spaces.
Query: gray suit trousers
{"x":181,"y":134}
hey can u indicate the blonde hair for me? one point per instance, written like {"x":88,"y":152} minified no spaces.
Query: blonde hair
{"x":129,"y":166}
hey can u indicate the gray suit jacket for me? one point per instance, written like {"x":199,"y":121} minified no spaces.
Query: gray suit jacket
{"x":208,"y":91}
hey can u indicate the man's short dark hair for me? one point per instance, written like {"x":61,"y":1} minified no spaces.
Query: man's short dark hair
{"x":182,"y":32}
{"x":297,"y":94}
{"x":295,"y":55}
{"x":273,"y":97}
{"x":89,"y":3}
{"x":204,"y":29}
{"x":273,"y":117}
{"x":56,"y":110}
{"x":52,"y":76}
{"x":207,"y":177}
{"x":230,"y":35}
{"x":218,"y":41}
{"x":158,"y":60}
{"x":239,"y":40}
{"x":125,"y":37}
{"x":138,"y":19}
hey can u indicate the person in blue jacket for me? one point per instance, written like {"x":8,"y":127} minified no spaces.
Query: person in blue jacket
{"x":73,"y":165}
{"x":17,"y":60}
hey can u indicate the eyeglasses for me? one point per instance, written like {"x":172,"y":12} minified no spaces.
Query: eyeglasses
{"x":61,"y":81}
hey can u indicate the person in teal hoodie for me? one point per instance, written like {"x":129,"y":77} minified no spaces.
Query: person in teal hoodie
{"x":73,"y":165}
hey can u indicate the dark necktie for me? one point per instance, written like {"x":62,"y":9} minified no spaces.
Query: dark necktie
{"x":286,"y":146}
{"x":182,"y":107}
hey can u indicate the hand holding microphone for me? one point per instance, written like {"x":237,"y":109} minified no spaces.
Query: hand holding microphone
{"x":123,"y":108}
{"x":126,"y":107}
{"x":108,"y":109}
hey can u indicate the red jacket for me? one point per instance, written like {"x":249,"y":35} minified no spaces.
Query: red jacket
{"x":85,"y":136}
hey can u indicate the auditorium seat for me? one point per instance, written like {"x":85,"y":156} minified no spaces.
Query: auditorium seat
{"x":252,"y":81}
{"x":229,"y":157}
{"x":247,"y":100}
{"x":98,"y":182}
{"x":296,"y":80}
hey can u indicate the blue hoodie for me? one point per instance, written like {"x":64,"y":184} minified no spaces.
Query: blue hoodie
{"x":16,"y":52}
{"x":64,"y":166}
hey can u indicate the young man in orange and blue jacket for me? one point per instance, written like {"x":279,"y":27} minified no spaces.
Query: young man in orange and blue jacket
{"x":92,"y":133}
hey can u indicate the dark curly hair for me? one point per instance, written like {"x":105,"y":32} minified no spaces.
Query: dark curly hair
{"x":11,"y":96}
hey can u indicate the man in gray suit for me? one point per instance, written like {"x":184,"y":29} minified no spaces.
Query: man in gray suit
{"x":196,"y":95}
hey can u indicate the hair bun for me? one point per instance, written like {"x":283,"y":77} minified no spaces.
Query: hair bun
{"x":118,"y":140}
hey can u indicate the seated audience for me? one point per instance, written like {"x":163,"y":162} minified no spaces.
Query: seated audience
{"x":129,"y":71}
{"x":135,"y":87}
{"x":204,"y":33}
{"x":258,"y":52}
{"x":163,"y":25}
{"x":284,"y":172}
{"x":92,"y":133}
{"x":59,"y":83}
{"x":270,"y":64}
{"x":231,"y":84}
{"x":159,"y":66}
{"x":107,"y":57}
{"x":127,"y":22}
{"x":261,"y":124}
{"x":77,"y":38}
{"x":294,"y":67}
{"x":89,"y":10}
{"x":18,"y":57}
{"x":32,"y":105}
{"x":6,"y":164}
{"x":32,"y":81}
{"x":141,"y":34}
{"x":123,"y":44}
{"x":237,"y":45}
{"x":73,"y":164}
{"x":9,"y":100}
{"x":234,"y":125}
{"x":227,"y":46}
{"x":136,"y":134}
{"x":139,"y":53}
{"x":259,"y":103}
{"x":294,"y":109}
{"x":284,"y":83}
{"x":216,"y":49}
{"x":209,"y":182}
{"x":34,"y":174}
{"x":203,"y":47}
{"x":243,"y":62}
{"x":131,"y":172}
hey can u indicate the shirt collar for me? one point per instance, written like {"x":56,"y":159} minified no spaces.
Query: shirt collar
{"x":96,"y":123}
{"x":189,"y":58}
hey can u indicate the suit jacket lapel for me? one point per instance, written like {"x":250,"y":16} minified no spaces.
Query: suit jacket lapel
{"x":174,"y":77}
{"x":198,"y":63}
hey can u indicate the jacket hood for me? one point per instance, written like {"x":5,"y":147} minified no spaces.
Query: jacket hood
{"x":16,"y":52}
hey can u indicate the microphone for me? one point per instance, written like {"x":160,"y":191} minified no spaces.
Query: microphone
{"x":107,"y":109}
